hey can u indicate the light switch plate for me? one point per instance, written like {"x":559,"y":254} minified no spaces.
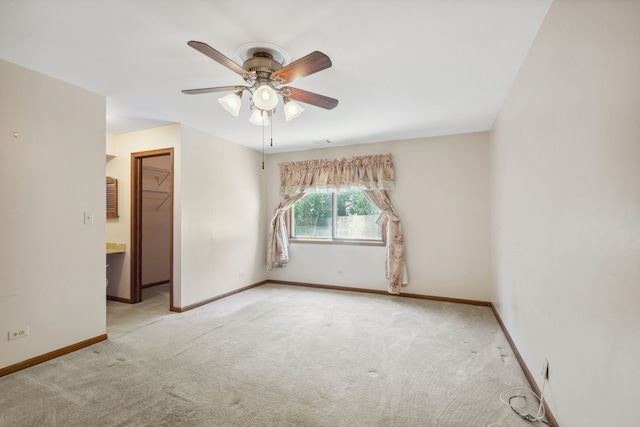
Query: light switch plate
{"x":88,"y":218}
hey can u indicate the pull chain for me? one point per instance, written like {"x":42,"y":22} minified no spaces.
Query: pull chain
{"x":262,"y":143}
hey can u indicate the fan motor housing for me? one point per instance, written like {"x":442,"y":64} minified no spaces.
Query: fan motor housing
{"x":261,"y":62}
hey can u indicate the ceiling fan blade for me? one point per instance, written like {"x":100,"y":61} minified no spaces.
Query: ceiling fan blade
{"x":218,"y":57}
{"x":309,"y":98}
{"x":214,"y":89}
{"x":307,"y":65}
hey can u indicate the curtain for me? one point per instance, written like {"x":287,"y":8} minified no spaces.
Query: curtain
{"x":396,"y":268}
{"x":362,"y":173}
{"x":373,"y":175}
{"x":278,"y":249}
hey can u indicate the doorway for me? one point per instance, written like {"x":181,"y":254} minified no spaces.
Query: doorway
{"x":151,"y":221}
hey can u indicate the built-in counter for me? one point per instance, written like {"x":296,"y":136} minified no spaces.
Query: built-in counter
{"x":116,"y":248}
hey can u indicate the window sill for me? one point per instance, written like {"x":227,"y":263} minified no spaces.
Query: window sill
{"x":337,"y":242}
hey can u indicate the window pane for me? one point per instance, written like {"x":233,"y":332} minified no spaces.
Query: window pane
{"x":312,"y":216}
{"x":356,"y":217}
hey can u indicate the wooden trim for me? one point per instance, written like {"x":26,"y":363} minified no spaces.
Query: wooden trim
{"x":210,"y":300}
{"x":525,"y":369}
{"x":51,"y":355}
{"x":112,"y":197}
{"x":119,"y":299}
{"x":446,"y":299}
{"x":380,"y":292}
{"x":331,"y":287}
{"x":136,"y":222}
{"x":161,"y":282}
{"x":135,"y":294}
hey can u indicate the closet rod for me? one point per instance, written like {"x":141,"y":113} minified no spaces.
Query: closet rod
{"x":154,"y":169}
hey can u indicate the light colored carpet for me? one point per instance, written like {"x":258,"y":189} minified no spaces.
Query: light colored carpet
{"x":277,"y":355}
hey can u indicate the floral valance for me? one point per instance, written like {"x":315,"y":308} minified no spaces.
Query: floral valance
{"x":373,"y":172}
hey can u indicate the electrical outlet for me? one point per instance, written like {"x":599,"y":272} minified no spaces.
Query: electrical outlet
{"x":20,"y":333}
{"x":545,"y":369}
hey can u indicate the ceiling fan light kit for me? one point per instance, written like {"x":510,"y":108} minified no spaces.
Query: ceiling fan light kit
{"x":264,"y":70}
{"x":291,"y":109}
{"x":232,"y":103}
{"x":265,"y":98}
{"x":259,"y":117}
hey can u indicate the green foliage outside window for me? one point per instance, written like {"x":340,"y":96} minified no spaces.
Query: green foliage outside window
{"x":354,"y":202}
{"x":355,"y":217}
{"x":313,"y":215}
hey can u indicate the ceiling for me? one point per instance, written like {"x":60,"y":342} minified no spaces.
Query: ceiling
{"x":401,"y":69}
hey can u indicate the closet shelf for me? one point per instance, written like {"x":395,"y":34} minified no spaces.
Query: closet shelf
{"x":158,"y":172}
{"x":166,"y":195}
{"x":162,"y":202}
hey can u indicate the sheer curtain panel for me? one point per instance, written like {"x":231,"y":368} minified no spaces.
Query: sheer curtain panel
{"x":278,"y":250}
{"x":394,"y":251}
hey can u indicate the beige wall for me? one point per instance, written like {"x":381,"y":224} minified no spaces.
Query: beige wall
{"x":219,"y":233}
{"x":118,"y":230}
{"x":223,"y":232}
{"x":50,"y":175}
{"x":566,"y":200}
{"x":442,"y":197}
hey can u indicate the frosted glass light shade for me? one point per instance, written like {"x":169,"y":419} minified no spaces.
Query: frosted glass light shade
{"x":260,"y":118}
{"x":292,"y":110}
{"x":265,"y":98}
{"x":231,"y":103}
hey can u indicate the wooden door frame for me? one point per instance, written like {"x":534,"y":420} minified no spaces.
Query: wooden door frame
{"x":136,"y":222}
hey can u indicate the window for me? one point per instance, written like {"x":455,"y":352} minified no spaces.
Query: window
{"x":344,"y":216}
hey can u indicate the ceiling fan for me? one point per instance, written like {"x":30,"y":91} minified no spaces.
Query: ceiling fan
{"x":265,"y":72}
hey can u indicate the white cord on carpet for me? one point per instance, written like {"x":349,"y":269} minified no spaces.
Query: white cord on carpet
{"x":538,"y":417}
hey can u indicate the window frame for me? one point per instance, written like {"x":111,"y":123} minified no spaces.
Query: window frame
{"x":332,"y":240}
